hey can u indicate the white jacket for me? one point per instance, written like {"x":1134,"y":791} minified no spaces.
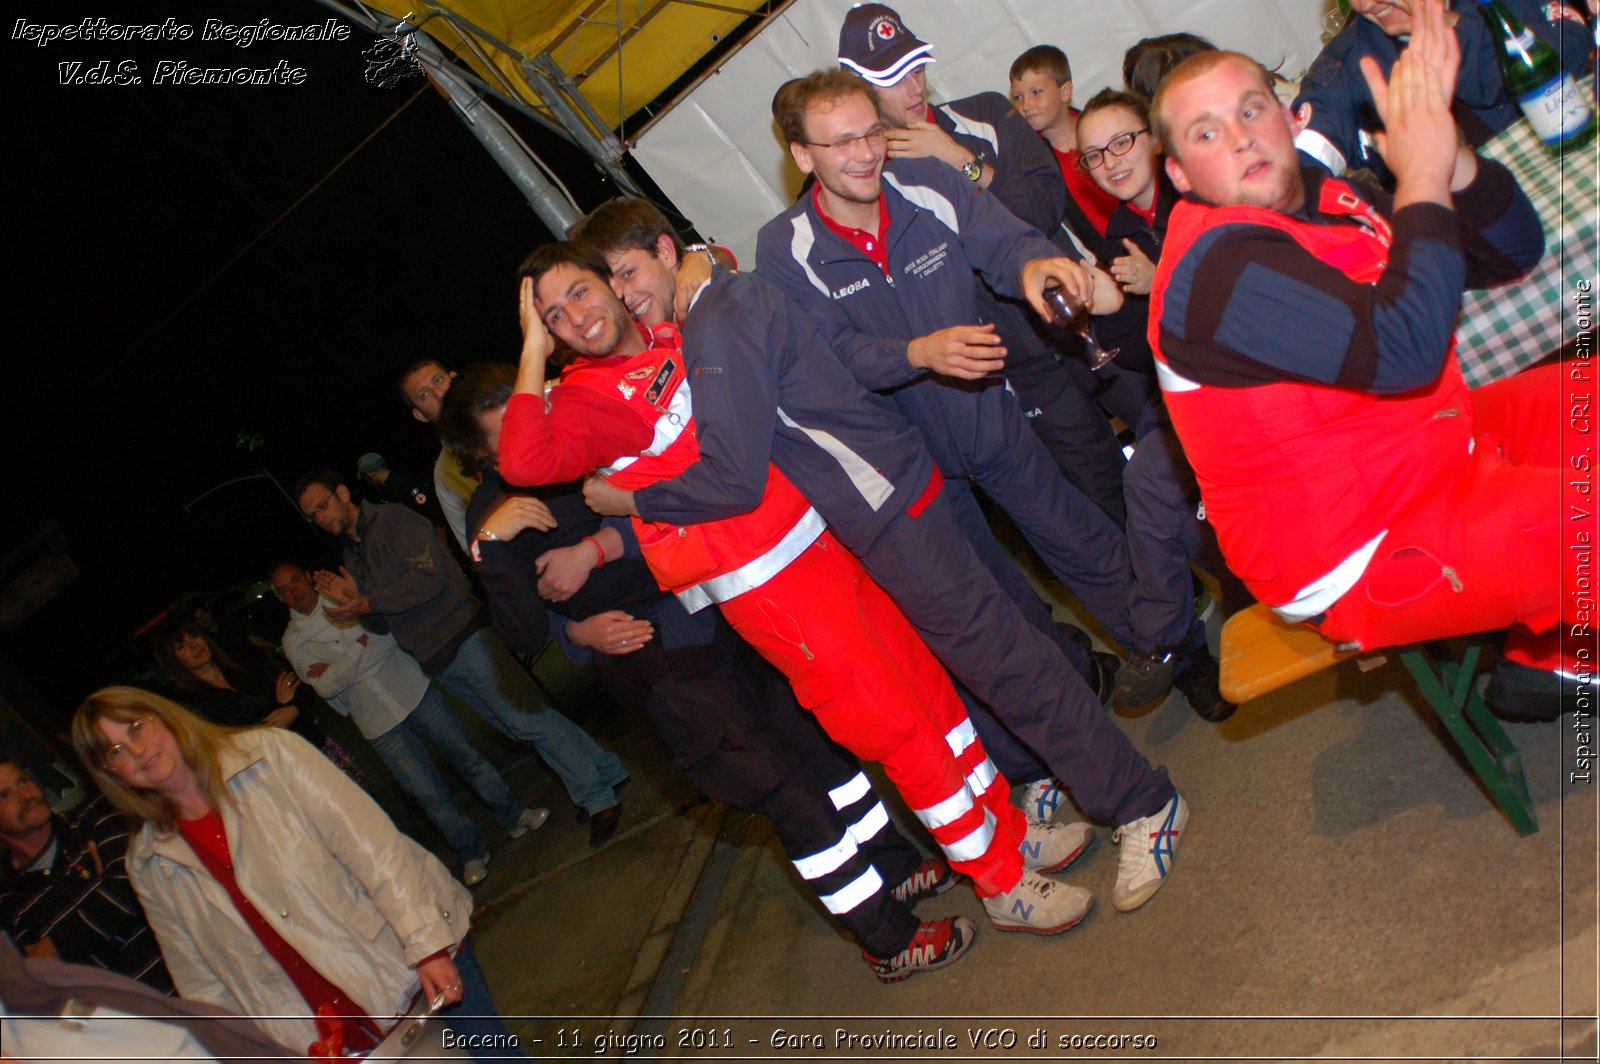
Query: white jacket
{"x":325,"y":867}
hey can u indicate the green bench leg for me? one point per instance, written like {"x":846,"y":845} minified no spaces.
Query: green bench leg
{"x":1447,"y":685}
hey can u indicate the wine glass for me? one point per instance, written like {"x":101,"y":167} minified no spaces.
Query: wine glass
{"x":1067,"y":314}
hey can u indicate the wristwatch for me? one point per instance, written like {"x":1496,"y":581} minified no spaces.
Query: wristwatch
{"x":973,"y":171}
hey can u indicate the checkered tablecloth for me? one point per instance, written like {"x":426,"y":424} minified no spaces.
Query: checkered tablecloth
{"x":1507,"y":329}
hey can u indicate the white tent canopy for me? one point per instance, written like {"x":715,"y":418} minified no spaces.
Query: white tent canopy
{"x":716,"y":153}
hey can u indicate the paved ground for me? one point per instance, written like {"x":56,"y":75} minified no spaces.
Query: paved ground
{"x":1345,"y":890}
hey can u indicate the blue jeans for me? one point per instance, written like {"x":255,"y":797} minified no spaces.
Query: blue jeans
{"x":404,"y":748}
{"x":486,"y":677}
{"x":476,"y":1017}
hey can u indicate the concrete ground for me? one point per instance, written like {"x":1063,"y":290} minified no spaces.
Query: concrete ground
{"x":1345,"y":890}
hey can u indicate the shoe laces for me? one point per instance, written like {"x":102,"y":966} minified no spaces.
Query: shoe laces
{"x":1134,"y":849}
{"x":1147,"y":664}
{"x":926,"y":877}
{"x":930,"y":940}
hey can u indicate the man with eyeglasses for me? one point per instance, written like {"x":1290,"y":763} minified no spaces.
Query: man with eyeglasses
{"x":64,"y":887}
{"x":395,"y":571}
{"x":366,"y":676}
{"x":875,"y":255}
{"x":983,"y":138}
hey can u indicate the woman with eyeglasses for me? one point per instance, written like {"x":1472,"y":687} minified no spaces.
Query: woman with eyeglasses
{"x":275,"y":886}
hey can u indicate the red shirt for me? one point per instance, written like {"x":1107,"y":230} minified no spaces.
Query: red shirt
{"x":209,"y":841}
{"x":872,"y":245}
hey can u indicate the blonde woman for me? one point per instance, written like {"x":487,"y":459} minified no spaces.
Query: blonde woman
{"x":276,"y":886}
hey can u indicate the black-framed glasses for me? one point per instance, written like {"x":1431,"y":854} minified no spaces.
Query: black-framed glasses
{"x":1121,"y":144}
{"x":845,"y":145}
{"x":135,"y":736}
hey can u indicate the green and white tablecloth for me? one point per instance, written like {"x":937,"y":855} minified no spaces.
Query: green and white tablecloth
{"x":1507,"y":329}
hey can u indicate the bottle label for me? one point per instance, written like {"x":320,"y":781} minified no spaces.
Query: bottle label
{"x":1556,"y":109}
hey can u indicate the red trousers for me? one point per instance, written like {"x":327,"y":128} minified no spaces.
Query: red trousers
{"x":1489,"y":551}
{"x":856,"y":663}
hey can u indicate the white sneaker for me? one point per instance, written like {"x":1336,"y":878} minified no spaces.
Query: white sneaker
{"x":1038,"y":906}
{"x":475,"y":872}
{"x":530,"y":820}
{"x":1041,"y":799}
{"x":1149,"y":846}
{"x":1051,"y":847}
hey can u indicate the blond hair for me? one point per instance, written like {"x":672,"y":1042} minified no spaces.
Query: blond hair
{"x":1197,"y":65}
{"x":200,"y":742}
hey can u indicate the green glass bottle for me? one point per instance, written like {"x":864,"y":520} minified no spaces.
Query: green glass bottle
{"x":1556,"y":108}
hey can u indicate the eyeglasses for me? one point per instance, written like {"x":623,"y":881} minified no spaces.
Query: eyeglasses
{"x":22,"y":780}
{"x":845,"y":145}
{"x":135,"y":737}
{"x":1120,"y":145}
{"x":316,"y":511}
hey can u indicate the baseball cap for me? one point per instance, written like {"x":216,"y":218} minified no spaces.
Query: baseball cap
{"x":368,"y":463}
{"x":876,"y":44}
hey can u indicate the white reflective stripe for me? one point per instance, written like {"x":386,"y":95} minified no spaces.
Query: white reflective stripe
{"x":752,"y":574}
{"x":1321,"y":149}
{"x":1323,"y":592}
{"x":982,"y":774}
{"x":819,"y":864}
{"x":961,"y":736}
{"x":869,"y":825}
{"x":1173,"y":381}
{"x":873,"y":485}
{"x":850,"y":791}
{"x":974,"y":844}
{"x":668,"y":427}
{"x":854,"y":893}
{"x":805,"y":238}
{"x":1083,"y":249}
{"x":948,"y":811}
{"x":885,"y":78}
{"x":973,"y":128}
{"x":928,"y":200}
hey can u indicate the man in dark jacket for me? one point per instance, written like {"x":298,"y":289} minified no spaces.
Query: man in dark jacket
{"x":397,"y":572}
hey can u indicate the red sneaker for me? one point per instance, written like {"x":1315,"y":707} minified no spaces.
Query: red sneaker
{"x":936,"y":944}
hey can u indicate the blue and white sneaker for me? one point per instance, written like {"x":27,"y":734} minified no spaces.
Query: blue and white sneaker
{"x":1149,"y":847}
{"x":1051,"y":847}
{"x":1041,"y":799}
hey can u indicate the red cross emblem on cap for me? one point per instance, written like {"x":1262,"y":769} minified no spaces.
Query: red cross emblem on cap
{"x":884,"y":30}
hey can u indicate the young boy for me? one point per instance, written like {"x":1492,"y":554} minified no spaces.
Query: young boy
{"x":1041,"y":89}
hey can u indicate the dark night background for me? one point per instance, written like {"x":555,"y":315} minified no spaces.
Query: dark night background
{"x":137,"y":385}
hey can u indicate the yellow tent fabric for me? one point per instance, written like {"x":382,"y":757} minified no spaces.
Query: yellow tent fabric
{"x":621,"y":54}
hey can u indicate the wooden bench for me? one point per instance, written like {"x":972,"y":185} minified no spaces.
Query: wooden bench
{"x":1261,"y":652}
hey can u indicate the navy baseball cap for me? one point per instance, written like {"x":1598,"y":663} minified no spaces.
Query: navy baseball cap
{"x":876,"y":44}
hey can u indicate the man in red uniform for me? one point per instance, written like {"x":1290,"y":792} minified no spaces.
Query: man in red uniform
{"x":783,"y":582}
{"x":1304,"y":343}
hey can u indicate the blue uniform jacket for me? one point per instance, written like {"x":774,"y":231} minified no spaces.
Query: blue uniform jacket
{"x":940,"y":231}
{"x":767,"y":387}
{"x":1341,"y":105}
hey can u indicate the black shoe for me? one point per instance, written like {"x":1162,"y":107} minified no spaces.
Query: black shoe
{"x":1198,"y":682}
{"x":1144,"y":679}
{"x":616,"y":792}
{"x":1521,"y":692}
{"x":1105,"y":665}
{"x":603,"y":825}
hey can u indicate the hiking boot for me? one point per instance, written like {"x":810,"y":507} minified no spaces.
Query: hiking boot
{"x":1149,"y":846}
{"x":936,"y":944}
{"x":1144,"y":680}
{"x":1051,"y":847}
{"x":1041,"y":799}
{"x":1198,"y":682}
{"x":932,"y":876}
{"x":1038,"y":906}
{"x":530,"y":820}
{"x":475,"y":871}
